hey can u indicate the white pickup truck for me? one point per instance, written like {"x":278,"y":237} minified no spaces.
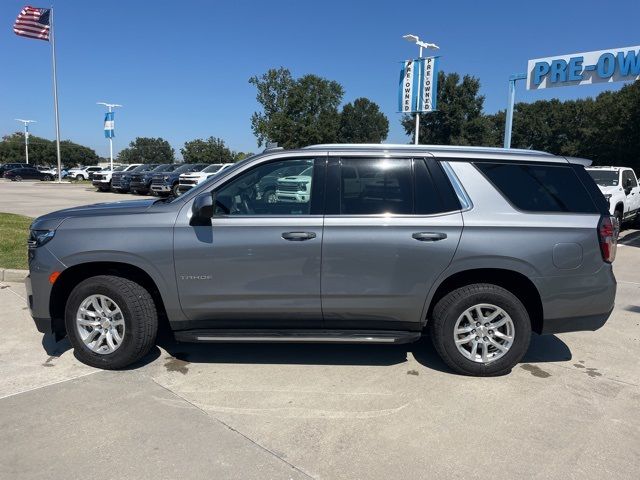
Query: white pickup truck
{"x":190,"y":179}
{"x":102,"y":180}
{"x":295,"y":188}
{"x":619,"y":186}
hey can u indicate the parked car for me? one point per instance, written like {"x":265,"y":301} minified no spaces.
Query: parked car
{"x":141,"y":181}
{"x":121,"y":181}
{"x":619,"y":185}
{"x":10,"y":166}
{"x":164,"y":184}
{"x":295,"y":188}
{"x":188,"y":180}
{"x":476,"y":246}
{"x":27,"y":173}
{"x":83,"y":173}
{"x":102,"y":179}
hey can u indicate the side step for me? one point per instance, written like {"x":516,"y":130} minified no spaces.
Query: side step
{"x":297,"y":336}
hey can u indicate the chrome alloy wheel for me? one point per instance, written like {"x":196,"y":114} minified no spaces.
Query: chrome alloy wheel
{"x":100,"y":324}
{"x":484,"y":333}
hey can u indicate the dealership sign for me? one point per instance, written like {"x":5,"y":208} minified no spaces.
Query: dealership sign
{"x":418,"y":89}
{"x":617,"y":65}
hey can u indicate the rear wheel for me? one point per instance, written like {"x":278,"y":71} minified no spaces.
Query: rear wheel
{"x":480,"y":329}
{"x":46,"y":178}
{"x":17,"y":178}
{"x":111,"y":321}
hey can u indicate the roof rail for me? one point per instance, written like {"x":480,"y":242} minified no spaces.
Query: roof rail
{"x":441,"y":148}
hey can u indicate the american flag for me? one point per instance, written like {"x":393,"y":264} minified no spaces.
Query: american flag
{"x":33,"y":23}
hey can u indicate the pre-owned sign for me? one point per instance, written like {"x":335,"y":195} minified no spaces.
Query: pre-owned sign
{"x":619,"y":64}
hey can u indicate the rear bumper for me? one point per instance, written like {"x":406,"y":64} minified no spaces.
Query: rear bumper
{"x":577,"y":303}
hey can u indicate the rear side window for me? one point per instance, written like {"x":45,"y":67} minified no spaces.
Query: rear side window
{"x":375,"y":186}
{"x":539,"y":188}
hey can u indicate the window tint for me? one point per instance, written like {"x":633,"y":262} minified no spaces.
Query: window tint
{"x":375,"y":186}
{"x":540,"y":188}
{"x":278,"y":188}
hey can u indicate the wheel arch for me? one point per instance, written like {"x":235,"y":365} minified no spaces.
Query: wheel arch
{"x":510,"y":280}
{"x":75,"y":274}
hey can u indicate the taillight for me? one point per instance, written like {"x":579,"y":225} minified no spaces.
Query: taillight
{"x":608,"y":237}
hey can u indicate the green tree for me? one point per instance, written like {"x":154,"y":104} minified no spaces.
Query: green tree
{"x":147,"y":150}
{"x":298,"y":112}
{"x":362,"y":122}
{"x":459,"y":119}
{"x":43,"y":151}
{"x":211,"y":150}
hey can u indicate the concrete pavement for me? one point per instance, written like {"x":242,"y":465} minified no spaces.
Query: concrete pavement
{"x":37,"y":198}
{"x":570,"y":410}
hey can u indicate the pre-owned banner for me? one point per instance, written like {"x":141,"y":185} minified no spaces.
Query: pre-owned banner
{"x":418,"y":90}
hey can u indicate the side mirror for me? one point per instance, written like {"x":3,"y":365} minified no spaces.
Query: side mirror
{"x":202,"y":210}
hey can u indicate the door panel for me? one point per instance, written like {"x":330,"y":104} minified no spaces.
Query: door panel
{"x":258,"y":264}
{"x":240,"y":272}
{"x":375,"y":273}
{"x":380,"y":258}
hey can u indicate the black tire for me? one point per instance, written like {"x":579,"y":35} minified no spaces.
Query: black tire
{"x":619,"y":215}
{"x":47,"y":178}
{"x":140,"y":317}
{"x":453,"y":305}
{"x":79,"y":178}
{"x":175,"y":190}
{"x":17,"y":178}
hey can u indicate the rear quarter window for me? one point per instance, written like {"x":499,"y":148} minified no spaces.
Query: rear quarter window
{"x":539,"y":187}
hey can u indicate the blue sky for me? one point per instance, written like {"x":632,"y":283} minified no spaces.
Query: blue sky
{"x":181,"y":68}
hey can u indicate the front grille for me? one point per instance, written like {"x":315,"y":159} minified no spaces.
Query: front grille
{"x":136,"y":178}
{"x":99,"y":176}
{"x":288,"y":187}
{"x":157,"y":180}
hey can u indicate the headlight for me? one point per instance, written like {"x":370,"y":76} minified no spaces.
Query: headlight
{"x":302,"y":187}
{"x":165,"y":178}
{"x":37,"y":238}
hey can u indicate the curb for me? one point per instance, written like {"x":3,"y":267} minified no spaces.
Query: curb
{"x":13,"y":275}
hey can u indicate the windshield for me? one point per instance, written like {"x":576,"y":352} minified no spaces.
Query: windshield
{"x":605,"y":178}
{"x":118,"y":168}
{"x":212,"y":168}
{"x":167,"y":167}
{"x":145,"y":167}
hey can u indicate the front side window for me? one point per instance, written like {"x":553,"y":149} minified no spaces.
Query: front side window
{"x":281,"y":188}
{"x":539,"y":188}
{"x":628,"y":180}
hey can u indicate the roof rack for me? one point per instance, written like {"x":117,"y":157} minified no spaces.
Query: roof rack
{"x":431,"y":148}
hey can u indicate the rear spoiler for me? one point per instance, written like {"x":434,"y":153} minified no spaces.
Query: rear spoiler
{"x":579,"y":161}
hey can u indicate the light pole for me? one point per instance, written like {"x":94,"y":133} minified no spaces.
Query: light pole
{"x":26,"y":136}
{"x":415,"y":39}
{"x":110,"y":106}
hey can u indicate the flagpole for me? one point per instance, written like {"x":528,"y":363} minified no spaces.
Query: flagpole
{"x":55,"y":92}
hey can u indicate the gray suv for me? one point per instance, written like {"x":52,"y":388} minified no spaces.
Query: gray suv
{"x":475,"y":247}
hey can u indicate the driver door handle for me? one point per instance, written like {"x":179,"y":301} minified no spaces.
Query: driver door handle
{"x":298,"y":236}
{"x":429,"y":236}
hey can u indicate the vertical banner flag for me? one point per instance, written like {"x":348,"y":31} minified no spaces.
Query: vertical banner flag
{"x":418,"y":85}
{"x":109,"y":125}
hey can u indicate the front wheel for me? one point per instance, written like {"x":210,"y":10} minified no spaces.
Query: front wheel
{"x":175,"y":190}
{"x":111,"y":321}
{"x":17,"y":178}
{"x":481,"y":330}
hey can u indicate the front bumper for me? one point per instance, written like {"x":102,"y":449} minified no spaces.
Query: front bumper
{"x":140,"y":186}
{"x":160,"y":188}
{"x":42,"y":263}
{"x":293,"y":197}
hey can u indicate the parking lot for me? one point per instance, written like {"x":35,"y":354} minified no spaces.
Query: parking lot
{"x":568,"y":411}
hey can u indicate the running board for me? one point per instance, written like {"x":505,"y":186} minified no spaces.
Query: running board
{"x":297,"y":336}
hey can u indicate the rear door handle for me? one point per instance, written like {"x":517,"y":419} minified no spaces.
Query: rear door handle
{"x":298,"y":236}
{"x":429,"y":236}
